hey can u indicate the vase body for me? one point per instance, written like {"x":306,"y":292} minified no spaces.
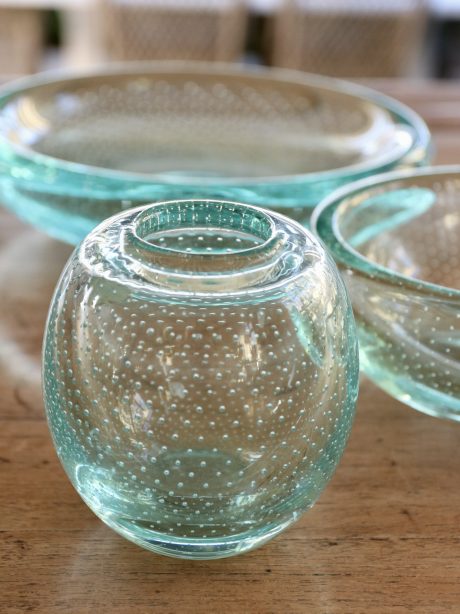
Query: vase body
{"x":200,"y":374}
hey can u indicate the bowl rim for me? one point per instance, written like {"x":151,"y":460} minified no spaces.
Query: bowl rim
{"x":419,"y":149}
{"x":358,"y":262}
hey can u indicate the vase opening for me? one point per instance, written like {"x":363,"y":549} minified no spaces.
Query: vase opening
{"x":204,"y":228}
{"x":223,"y":245}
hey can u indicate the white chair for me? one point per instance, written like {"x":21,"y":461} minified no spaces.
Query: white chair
{"x":21,"y":40}
{"x":212,"y":30}
{"x":349,"y":38}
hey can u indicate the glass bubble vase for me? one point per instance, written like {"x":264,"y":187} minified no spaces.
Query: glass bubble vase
{"x":200,"y":374}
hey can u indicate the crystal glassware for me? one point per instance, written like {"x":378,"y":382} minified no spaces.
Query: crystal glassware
{"x":200,"y":374}
{"x":76,"y":150}
{"x":396,"y":238}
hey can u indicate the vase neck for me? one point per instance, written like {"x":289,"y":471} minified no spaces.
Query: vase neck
{"x":203,"y":244}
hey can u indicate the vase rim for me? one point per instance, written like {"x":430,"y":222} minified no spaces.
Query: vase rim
{"x":204,"y":247}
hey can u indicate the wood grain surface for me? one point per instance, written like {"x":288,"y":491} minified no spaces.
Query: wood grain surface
{"x":383,"y":539}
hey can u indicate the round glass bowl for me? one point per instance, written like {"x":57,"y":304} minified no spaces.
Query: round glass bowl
{"x":75,"y":150}
{"x":200,"y":374}
{"x":397,"y":240}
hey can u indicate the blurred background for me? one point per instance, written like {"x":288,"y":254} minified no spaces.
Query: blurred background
{"x":345,"y":38}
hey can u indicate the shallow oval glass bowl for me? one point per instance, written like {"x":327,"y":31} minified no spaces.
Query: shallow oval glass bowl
{"x":75,"y":150}
{"x":397,"y":239}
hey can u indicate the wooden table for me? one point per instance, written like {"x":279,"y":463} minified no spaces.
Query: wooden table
{"x":384,"y":537}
